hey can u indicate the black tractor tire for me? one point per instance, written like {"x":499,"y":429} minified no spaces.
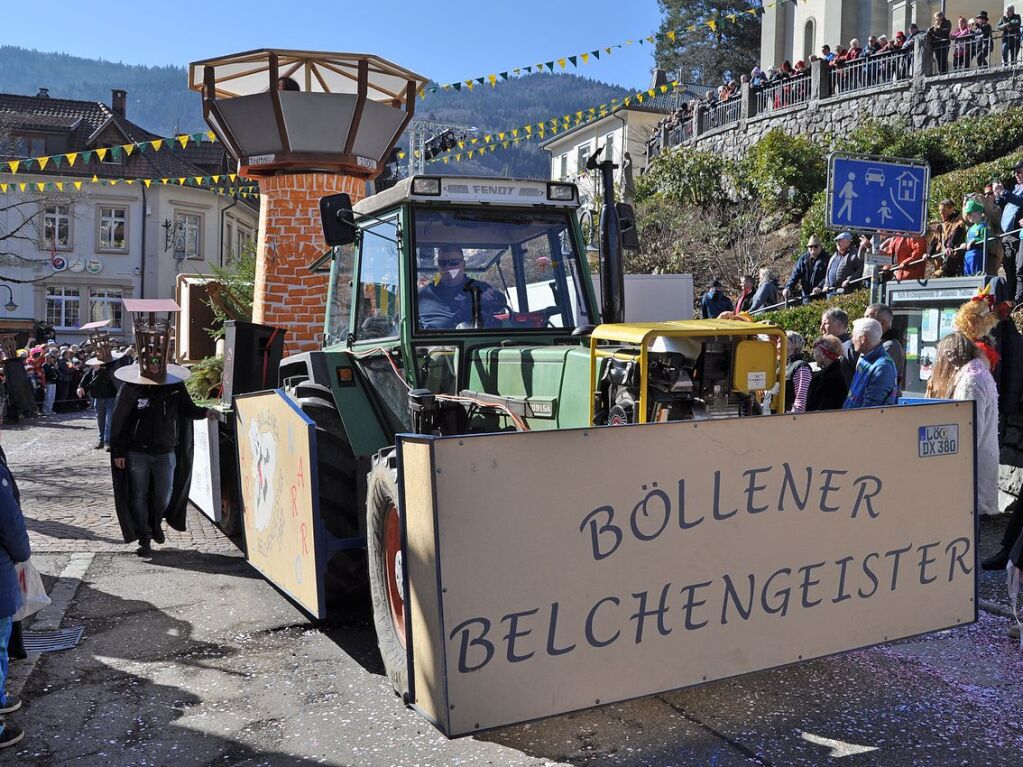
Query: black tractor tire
{"x":230,"y":502}
{"x":385,"y":586}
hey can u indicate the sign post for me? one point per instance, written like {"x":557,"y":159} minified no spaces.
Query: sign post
{"x":874,"y":194}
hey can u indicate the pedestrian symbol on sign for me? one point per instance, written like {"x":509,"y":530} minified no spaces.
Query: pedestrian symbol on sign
{"x":847,"y":195}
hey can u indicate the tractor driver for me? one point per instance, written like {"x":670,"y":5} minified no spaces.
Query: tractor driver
{"x":446,"y":301}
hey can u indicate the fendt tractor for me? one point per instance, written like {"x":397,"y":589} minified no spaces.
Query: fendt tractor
{"x":464,"y":305}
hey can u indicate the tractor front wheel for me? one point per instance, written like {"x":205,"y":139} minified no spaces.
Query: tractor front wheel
{"x":386,"y":570}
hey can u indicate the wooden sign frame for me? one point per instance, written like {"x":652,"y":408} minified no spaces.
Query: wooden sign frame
{"x":529,"y":556}
{"x":286,"y":540}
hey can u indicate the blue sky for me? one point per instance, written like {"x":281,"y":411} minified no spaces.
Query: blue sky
{"x":442,"y":40}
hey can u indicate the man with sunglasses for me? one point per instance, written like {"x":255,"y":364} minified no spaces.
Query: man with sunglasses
{"x":446,"y":301}
{"x":809,"y":273}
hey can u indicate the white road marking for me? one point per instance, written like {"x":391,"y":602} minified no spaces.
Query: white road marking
{"x":839,"y":748}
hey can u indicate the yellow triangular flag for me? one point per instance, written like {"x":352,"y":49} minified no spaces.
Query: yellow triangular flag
{"x":78,"y":185}
{"x":21,"y":187}
{"x":671,"y":35}
{"x":40,"y":185}
{"x":95,"y":178}
{"x":42,"y":162}
{"x":211,"y":135}
{"x":585,"y":57}
{"x":232,"y":176}
{"x":197,"y":180}
{"x":183,"y":140}
{"x":113,"y":181}
{"x":3,"y":188}
{"x":129,"y":181}
{"x":101,"y":153}
{"x":470,"y":154}
{"x":164,"y":181}
{"x":128,"y":149}
{"x":216,"y":179}
{"x":59,"y":185}
{"x":157,"y":144}
{"x":181,"y":181}
{"x":561,"y":63}
{"x":147,"y":182}
{"x":71,"y":157}
{"x":712,"y":23}
{"x":13,"y":165}
{"x":492,"y":79}
{"x":501,"y":135}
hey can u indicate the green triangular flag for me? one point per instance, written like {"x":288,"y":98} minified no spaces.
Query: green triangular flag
{"x":458,"y":86}
{"x":86,"y":156}
{"x":115,"y":152}
{"x":573,"y":60}
{"x":595,"y":54}
{"x":57,"y":159}
{"x":504,"y":75}
{"x":529,"y":70}
{"x":480,"y":80}
{"x":198,"y":137}
{"x":549,"y":65}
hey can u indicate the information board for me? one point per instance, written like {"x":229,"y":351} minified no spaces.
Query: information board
{"x":553,"y":571}
{"x":284,"y":535}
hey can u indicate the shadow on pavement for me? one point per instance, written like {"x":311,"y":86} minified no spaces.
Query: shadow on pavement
{"x":64,"y":531}
{"x":101,"y":703}
{"x":201,"y":562}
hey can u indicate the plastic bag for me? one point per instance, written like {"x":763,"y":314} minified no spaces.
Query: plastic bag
{"x":33,"y":593}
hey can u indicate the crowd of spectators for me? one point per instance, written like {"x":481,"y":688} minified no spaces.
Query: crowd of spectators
{"x":970,"y":42}
{"x":55,"y":373}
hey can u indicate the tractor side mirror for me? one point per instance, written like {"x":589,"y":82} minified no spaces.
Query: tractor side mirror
{"x":337,"y":219}
{"x":627,"y":225}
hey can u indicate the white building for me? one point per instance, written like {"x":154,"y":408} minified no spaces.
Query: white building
{"x":87,"y":246}
{"x":625,"y":130}
{"x":795,"y":31}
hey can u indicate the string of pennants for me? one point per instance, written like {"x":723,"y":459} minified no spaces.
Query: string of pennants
{"x":114,"y":152}
{"x":586,"y":57}
{"x":214,"y":182}
{"x":489,"y":142}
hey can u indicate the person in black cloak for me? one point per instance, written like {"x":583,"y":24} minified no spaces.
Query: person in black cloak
{"x":151,"y":432}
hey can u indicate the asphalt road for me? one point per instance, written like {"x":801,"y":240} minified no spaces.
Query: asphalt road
{"x":192,"y":659}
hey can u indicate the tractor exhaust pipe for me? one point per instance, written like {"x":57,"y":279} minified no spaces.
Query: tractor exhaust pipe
{"x":612,"y":269}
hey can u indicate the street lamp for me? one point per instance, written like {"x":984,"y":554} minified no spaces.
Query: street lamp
{"x":11,"y":306}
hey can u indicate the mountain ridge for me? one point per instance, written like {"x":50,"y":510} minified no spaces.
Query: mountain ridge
{"x":159,"y":100}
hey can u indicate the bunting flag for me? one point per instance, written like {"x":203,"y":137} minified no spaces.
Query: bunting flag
{"x":72,"y":158}
{"x":554,"y":125}
{"x":213,"y":183}
{"x":562,"y":61}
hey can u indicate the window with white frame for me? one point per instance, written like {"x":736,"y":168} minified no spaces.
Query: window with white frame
{"x":582,"y":154}
{"x":563,"y":167}
{"x":105,"y":304}
{"x":56,"y":228}
{"x":244,"y":239}
{"x":113,"y":228}
{"x":188,"y":235}
{"x":28,"y":145}
{"x":62,"y":306}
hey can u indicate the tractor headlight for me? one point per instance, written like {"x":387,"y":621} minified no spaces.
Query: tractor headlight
{"x":560,"y":192}
{"x":426,"y":185}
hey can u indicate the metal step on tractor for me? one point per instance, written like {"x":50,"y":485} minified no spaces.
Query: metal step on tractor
{"x":463,"y":305}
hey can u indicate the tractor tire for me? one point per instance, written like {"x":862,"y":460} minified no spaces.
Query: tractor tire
{"x":383,"y":532}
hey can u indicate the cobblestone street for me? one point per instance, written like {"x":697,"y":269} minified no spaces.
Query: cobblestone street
{"x":66,"y":490}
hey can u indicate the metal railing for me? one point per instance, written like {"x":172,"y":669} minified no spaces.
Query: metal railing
{"x":783,"y":94}
{"x":681,"y":132}
{"x":867,"y":72}
{"x":725,"y":112}
{"x":975,"y":51}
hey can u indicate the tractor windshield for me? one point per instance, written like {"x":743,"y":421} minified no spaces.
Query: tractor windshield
{"x":510,"y":270}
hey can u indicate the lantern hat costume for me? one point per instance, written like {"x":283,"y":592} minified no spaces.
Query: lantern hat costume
{"x":152,"y":430}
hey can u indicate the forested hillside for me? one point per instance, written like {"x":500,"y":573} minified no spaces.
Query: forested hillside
{"x":159,"y":100}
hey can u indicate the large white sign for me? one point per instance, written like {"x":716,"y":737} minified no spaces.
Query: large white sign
{"x":555,"y":571}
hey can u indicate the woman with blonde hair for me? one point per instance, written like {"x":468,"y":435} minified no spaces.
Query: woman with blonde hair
{"x":961,"y":373}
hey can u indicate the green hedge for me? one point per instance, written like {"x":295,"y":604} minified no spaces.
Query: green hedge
{"x":958,"y":183}
{"x":687,"y":177}
{"x":779,"y":162}
{"x":806,"y":319}
{"x":959,"y":144}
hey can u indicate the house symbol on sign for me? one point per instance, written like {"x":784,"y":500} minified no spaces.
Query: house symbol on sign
{"x":907,"y":186}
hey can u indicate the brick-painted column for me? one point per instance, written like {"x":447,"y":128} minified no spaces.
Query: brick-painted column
{"x":287,"y":294}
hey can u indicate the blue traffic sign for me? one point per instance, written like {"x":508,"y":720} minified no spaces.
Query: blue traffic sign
{"x":871,"y":194}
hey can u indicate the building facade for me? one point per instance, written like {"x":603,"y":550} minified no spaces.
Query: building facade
{"x":80,"y":245}
{"x":625,"y":130}
{"x":796,"y":31}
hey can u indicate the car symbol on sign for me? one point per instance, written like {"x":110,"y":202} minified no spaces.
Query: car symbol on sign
{"x":874,"y":176}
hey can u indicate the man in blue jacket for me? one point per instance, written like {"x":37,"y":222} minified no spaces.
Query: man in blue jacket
{"x":714,"y":302}
{"x":14,"y":547}
{"x":809,"y":273}
{"x":875,"y":382}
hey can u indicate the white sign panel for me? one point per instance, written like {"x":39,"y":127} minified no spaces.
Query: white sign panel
{"x":205,"y":489}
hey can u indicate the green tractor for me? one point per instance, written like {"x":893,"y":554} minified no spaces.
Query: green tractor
{"x":463,"y":305}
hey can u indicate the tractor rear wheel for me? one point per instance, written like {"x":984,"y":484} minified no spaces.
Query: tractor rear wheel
{"x":386,"y":570}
